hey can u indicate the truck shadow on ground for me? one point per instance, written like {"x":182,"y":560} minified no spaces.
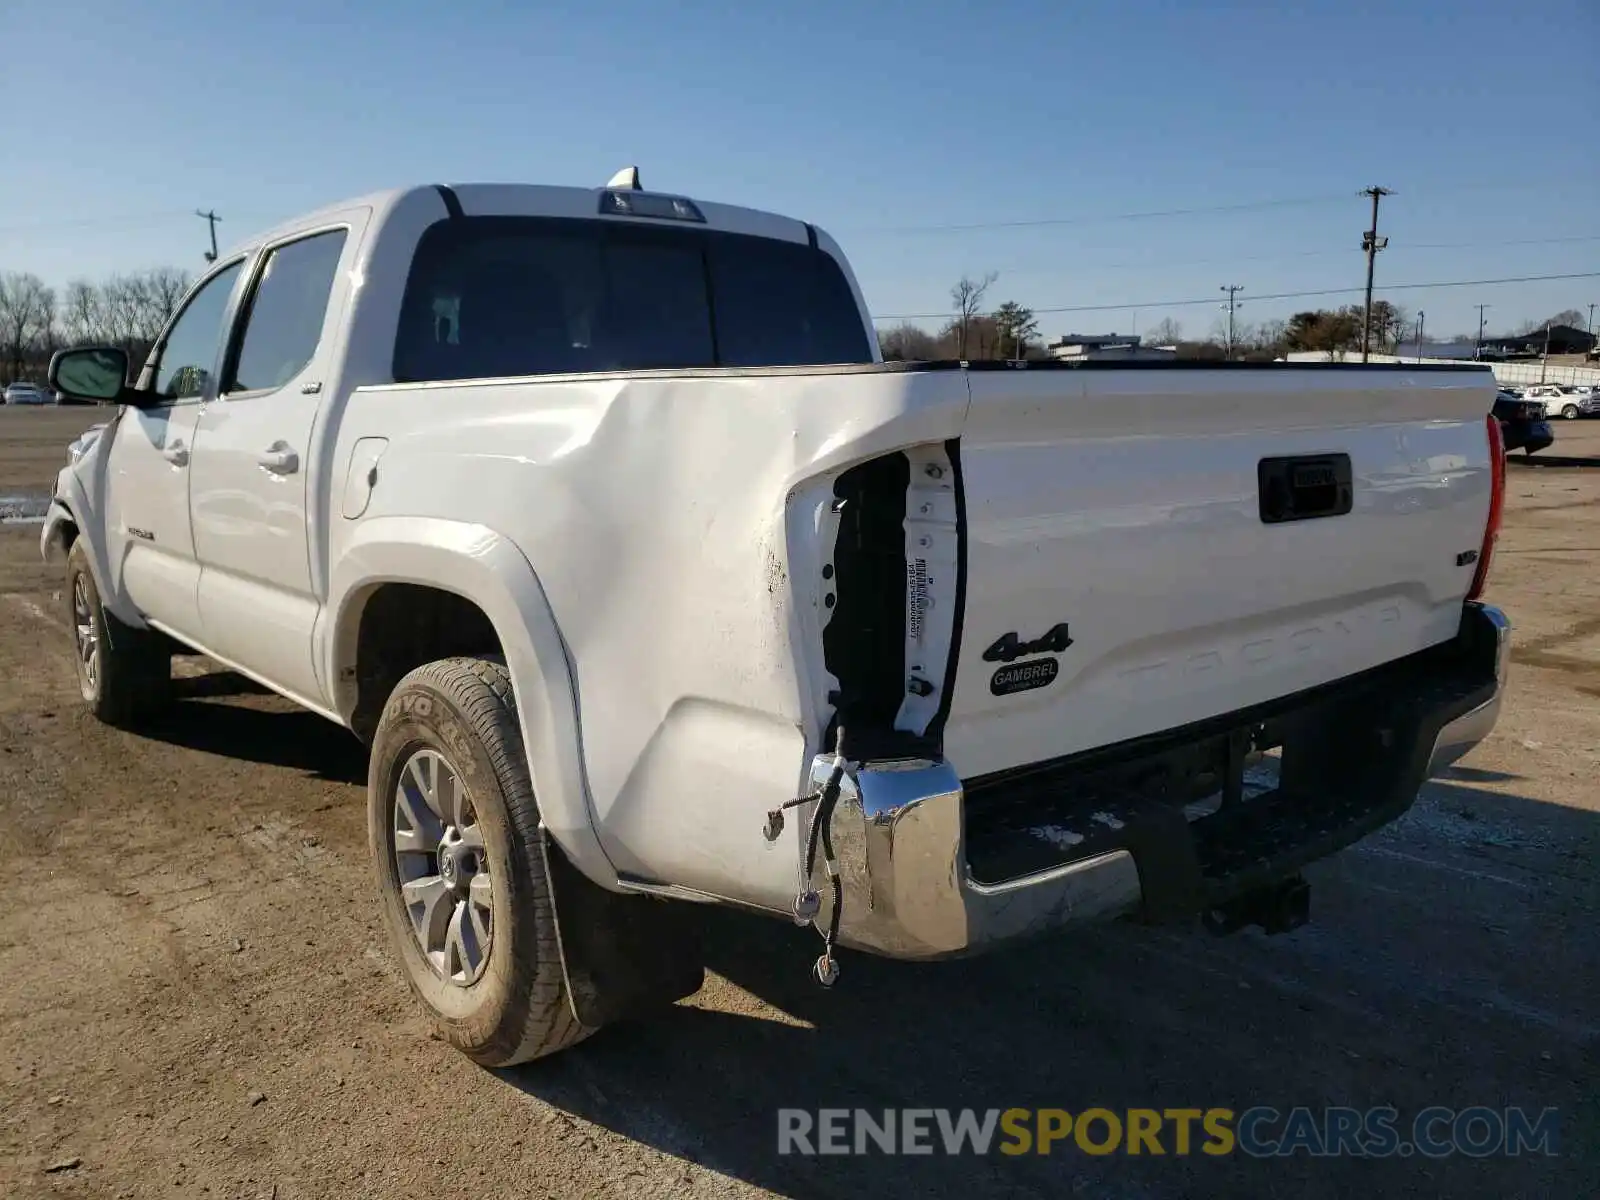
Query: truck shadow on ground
{"x":1428,"y":977}
{"x":214,"y":685}
{"x":1551,"y":460}
{"x":227,"y":714}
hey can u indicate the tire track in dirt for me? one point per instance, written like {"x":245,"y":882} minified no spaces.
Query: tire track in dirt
{"x":1578,"y":630}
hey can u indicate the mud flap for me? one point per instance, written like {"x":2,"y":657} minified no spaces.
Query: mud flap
{"x":623,"y":956}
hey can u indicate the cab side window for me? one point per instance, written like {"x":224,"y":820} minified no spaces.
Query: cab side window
{"x":283,"y":320}
{"x":190,"y":353}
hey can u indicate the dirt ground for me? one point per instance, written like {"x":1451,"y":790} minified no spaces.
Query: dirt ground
{"x":196,"y":998}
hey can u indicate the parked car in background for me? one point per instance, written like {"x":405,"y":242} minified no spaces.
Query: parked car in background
{"x":1576,"y":401}
{"x":26,"y":393}
{"x":1523,"y":424}
{"x":1588,"y":397}
{"x":1557,"y":400}
{"x":68,"y":398}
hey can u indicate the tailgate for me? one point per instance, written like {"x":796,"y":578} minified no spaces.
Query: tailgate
{"x":1184,"y":543}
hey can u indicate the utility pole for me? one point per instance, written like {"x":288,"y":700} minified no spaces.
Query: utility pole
{"x":1232,"y":289}
{"x":1478,"y":353}
{"x":1544,"y":361}
{"x":210,"y":218}
{"x":1421,"y":316}
{"x":1589,"y":328}
{"x":1371,"y":243}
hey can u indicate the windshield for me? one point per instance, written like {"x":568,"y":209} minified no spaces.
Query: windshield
{"x":506,"y":296}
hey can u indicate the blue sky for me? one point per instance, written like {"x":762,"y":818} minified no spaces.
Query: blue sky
{"x":875,"y":120}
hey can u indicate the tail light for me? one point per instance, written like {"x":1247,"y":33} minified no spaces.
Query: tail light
{"x":1497,"y":503}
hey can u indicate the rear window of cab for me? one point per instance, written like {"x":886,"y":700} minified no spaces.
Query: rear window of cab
{"x":493,"y":297}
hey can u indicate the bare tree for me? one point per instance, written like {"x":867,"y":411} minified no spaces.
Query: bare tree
{"x":124,"y":310}
{"x":134,"y":308}
{"x":1391,"y":325}
{"x":967,"y":296}
{"x":1242,"y":333}
{"x":909,"y":343}
{"x":984,"y":338}
{"x":1165,"y":332}
{"x":82,"y":315}
{"x":120,"y":312}
{"x":1270,"y":335}
{"x":27,"y":313}
{"x":163,"y":288}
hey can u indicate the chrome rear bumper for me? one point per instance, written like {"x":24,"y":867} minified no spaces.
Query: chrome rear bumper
{"x":1467,"y":730}
{"x":899,"y":834}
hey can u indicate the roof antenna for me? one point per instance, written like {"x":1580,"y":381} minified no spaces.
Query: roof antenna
{"x":628,"y":178}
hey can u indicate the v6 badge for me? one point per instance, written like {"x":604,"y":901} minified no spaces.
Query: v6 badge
{"x":1024,"y":677}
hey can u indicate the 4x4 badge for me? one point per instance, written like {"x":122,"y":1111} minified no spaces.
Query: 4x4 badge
{"x":1010,"y":646}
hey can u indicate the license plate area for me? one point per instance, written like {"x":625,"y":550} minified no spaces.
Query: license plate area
{"x":1304,"y":487}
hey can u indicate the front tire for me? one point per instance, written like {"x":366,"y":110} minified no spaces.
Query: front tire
{"x":124,"y":674}
{"x":454,"y":830}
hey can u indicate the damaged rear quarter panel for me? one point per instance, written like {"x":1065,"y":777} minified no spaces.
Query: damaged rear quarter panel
{"x":677,"y":523}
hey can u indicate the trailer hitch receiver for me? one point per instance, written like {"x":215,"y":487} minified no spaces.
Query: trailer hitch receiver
{"x":1281,"y":907}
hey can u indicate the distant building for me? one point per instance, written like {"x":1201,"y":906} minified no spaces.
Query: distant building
{"x":1564,"y":339}
{"x":1108,"y":347}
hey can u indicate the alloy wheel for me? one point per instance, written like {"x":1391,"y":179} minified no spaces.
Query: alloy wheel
{"x":439,"y":857}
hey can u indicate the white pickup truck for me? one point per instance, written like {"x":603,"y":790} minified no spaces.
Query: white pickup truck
{"x":596,"y":515}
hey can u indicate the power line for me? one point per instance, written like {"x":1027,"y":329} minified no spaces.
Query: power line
{"x":127,"y":220}
{"x":1346,"y":291}
{"x":1167,"y":264}
{"x":1545,"y":241}
{"x":1100,"y":218}
{"x":90,"y":222}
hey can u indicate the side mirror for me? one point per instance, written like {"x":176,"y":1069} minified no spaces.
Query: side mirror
{"x":98,"y":374}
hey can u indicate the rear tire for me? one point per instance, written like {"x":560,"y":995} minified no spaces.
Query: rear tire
{"x":124,"y":674}
{"x":1570,"y":412}
{"x":453,"y":824}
